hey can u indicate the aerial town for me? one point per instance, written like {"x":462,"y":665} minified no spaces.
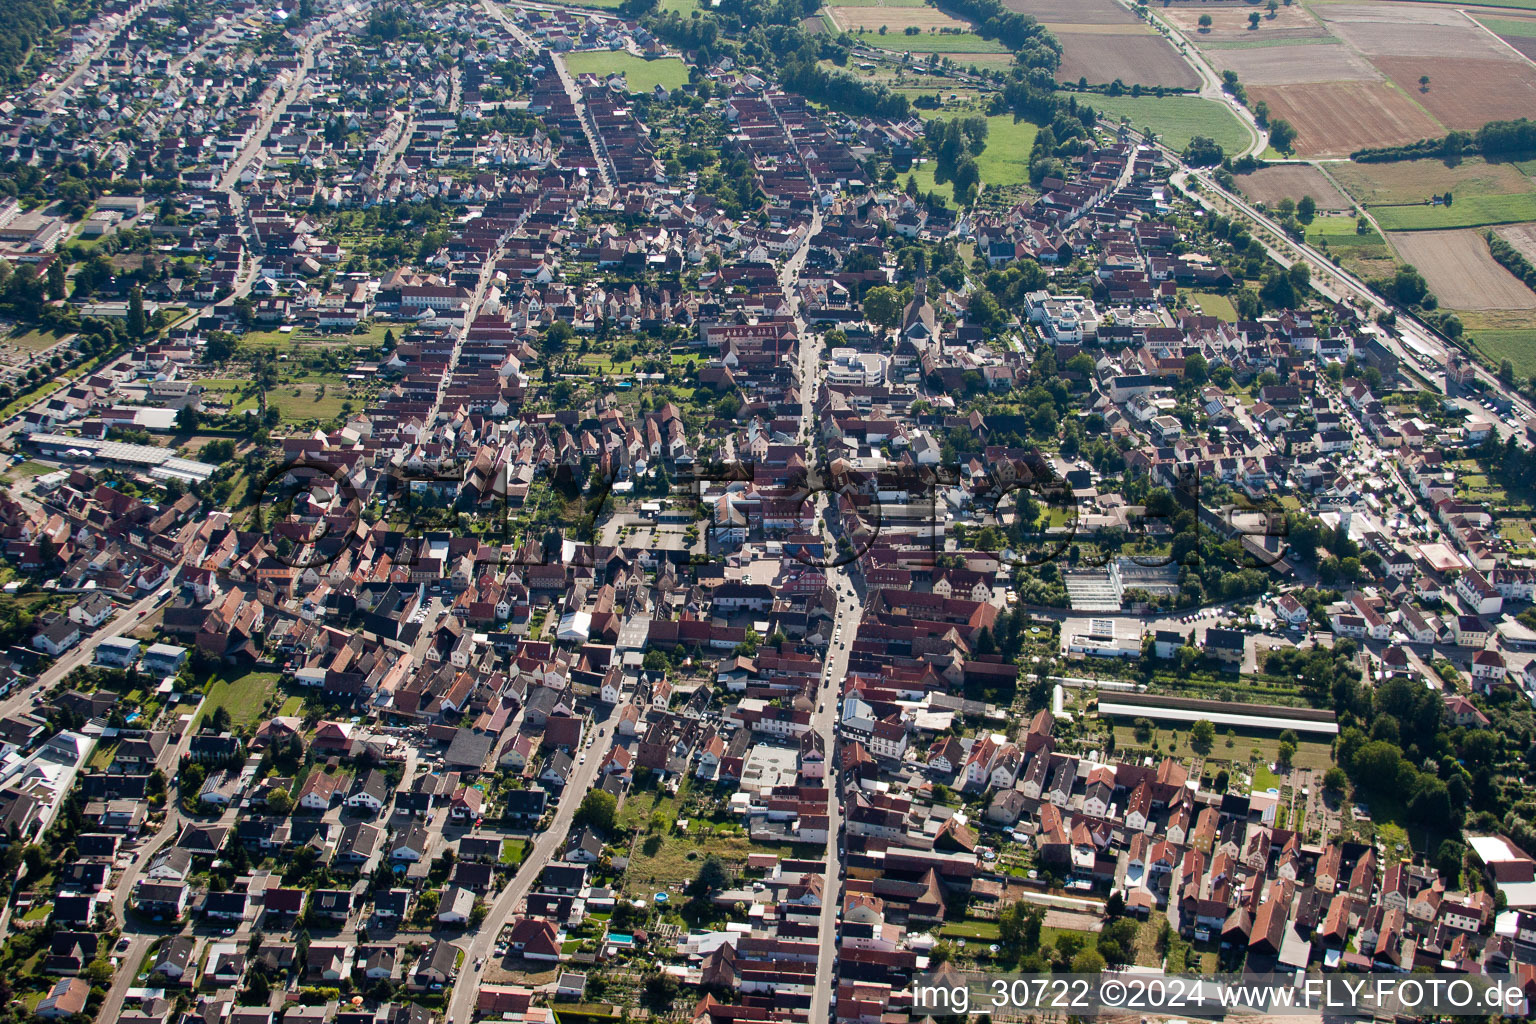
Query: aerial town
{"x":711,"y":510}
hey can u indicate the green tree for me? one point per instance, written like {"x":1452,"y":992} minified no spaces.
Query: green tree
{"x":57,"y":282}
{"x":1202,"y":735}
{"x":1088,"y":961}
{"x":1282,"y":135}
{"x":138,"y":324}
{"x":882,"y":306}
{"x":280,"y":801}
{"x":597,"y":810}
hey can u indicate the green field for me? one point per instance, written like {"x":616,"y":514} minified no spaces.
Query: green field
{"x":1341,"y":229}
{"x":927,"y":42}
{"x":1465,"y":212}
{"x":1177,"y":119}
{"x":1396,"y":193}
{"x":1005,"y":160}
{"x":1215,"y":305}
{"x":242,"y":696}
{"x":640,"y":75}
{"x":1516,"y":345}
{"x":877,"y":3}
{"x":1522,"y":28}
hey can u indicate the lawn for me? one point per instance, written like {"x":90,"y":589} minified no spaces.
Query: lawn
{"x":1004,"y":161}
{"x":677,"y":858}
{"x":243,"y":696}
{"x":1176,"y":119}
{"x":1215,"y":305}
{"x":512,"y":851}
{"x":985,"y":930}
{"x":23,"y":470}
{"x":307,"y":405}
{"x":1264,"y":779}
{"x":927,"y":42}
{"x":371,"y":336}
{"x":1309,"y":753}
{"x":640,"y":75}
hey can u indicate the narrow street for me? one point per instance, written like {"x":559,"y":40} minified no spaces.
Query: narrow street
{"x":547,"y":846}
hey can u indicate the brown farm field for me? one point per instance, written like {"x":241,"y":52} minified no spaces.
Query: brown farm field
{"x":1073,"y":12}
{"x":1465,"y":92}
{"x":1143,"y":58}
{"x":1522,"y":237}
{"x":1460,"y":270}
{"x":853,"y":19}
{"x":1230,"y":23}
{"x":1404,"y":30}
{"x":1269,"y":185}
{"x":1337,"y":118}
{"x":1294,"y":64}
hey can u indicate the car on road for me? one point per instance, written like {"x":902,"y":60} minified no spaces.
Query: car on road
{"x":123,"y":943}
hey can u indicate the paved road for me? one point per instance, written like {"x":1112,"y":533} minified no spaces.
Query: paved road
{"x":487,"y":272}
{"x":548,"y":845}
{"x":845,"y":624}
{"x":109,"y":25}
{"x":82,"y":653}
{"x":143,"y":934}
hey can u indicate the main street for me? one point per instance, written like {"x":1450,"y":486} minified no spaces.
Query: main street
{"x":835,"y":667}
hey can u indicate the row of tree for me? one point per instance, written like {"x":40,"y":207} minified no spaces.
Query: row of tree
{"x":1496,"y":140}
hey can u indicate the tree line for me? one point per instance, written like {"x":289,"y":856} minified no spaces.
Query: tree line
{"x":1512,"y":259}
{"x":1496,"y":140}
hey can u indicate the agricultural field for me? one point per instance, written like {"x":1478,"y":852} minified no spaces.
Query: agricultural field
{"x":1337,"y":118}
{"x":951,"y":44}
{"x":1501,"y":335}
{"x":1351,"y":75}
{"x":1517,"y":32}
{"x":1460,"y":270}
{"x":640,"y":75}
{"x":1102,"y":41}
{"x":1177,"y":119}
{"x":896,"y":20}
{"x":1522,"y":237}
{"x":1293,"y":62}
{"x":1073,"y":12}
{"x":1364,"y":255}
{"x":1269,"y":185}
{"x":1137,"y":56}
{"x":1229,"y":23}
{"x":1397,"y":193}
{"x":1464,"y":93}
